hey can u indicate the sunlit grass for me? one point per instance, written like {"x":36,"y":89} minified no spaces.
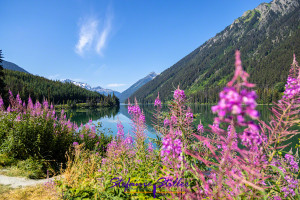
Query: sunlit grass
{"x":39,"y":192}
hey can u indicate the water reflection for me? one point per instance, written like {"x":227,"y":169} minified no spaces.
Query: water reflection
{"x":110,"y":116}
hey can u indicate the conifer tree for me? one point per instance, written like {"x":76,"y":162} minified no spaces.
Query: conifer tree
{"x":2,"y":84}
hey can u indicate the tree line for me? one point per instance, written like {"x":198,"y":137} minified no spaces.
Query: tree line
{"x":40,"y":88}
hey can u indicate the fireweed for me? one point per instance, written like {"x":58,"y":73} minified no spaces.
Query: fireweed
{"x":34,"y":130}
{"x":129,"y":156}
{"x":238,"y":157}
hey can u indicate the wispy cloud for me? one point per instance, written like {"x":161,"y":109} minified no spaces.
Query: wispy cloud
{"x":88,"y":31}
{"x":94,"y":36}
{"x":115,"y":85}
{"x":103,"y":36}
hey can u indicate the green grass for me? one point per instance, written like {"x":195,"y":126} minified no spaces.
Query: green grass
{"x":29,"y":168}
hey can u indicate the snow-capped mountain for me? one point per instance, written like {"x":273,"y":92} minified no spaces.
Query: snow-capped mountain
{"x":98,"y":89}
{"x":83,"y":85}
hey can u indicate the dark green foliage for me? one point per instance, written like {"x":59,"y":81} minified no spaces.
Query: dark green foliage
{"x":44,"y":139}
{"x":3,"y":93}
{"x":267,"y":45}
{"x":33,"y":137}
{"x":39,"y":88}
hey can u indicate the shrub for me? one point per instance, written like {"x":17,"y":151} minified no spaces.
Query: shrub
{"x":34,"y":131}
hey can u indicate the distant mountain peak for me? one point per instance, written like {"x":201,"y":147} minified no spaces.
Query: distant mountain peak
{"x":13,"y":66}
{"x":98,"y":89}
{"x":133,"y":88}
{"x":151,"y":75}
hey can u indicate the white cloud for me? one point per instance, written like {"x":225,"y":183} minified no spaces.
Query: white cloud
{"x":91,"y":35}
{"x":103,"y":36}
{"x":88,"y":31}
{"x":115,"y":85}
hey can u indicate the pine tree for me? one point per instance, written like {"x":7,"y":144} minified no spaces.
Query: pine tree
{"x":3,"y":92}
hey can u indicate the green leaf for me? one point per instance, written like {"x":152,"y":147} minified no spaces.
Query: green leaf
{"x":278,"y":170}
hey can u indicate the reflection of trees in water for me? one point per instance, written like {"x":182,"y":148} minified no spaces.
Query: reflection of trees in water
{"x":148,"y":111}
{"x":203,"y":111}
{"x":84,"y":115}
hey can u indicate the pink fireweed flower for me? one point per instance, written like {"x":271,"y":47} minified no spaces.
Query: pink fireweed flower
{"x":189,"y":117}
{"x":290,"y":160}
{"x":166,"y":122}
{"x":171,"y":150}
{"x":93,"y":129}
{"x":178,"y":133}
{"x":30,"y":104}
{"x":142,"y":117}
{"x":134,"y":110}
{"x":18,"y":118}
{"x":179,"y":95}
{"x":45,"y":104}
{"x":239,"y":72}
{"x":200,"y":128}
{"x":81,"y":136}
{"x":92,"y":135}
{"x":235,"y":101}
{"x":75,"y":143}
{"x":292,"y":88}
{"x":90,"y":121}
{"x":128,"y":139}
{"x":157,"y":101}
{"x":37,"y":105}
{"x":19,"y":99}
{"x":173,"y":120}
{"x":1,"y":104}
{"x":120,"y":132}
{"x":75,"y":126}
{"x":8,"y":109}
{"x":150,"y":147}
{"x":10,"y":94}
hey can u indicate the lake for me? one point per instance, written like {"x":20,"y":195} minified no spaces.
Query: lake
{"x":110,"y":116}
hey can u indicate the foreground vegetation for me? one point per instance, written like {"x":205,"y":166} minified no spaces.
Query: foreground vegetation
{"x":234,"y":159}
{"x":34,"y":139}
{"x":237,"y":157}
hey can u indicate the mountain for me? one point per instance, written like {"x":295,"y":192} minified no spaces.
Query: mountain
{"x":12,"y":66}
{"x":127,"y":93}
{"x":98,"y":89}
{"x":106,"y":91}
{"x":267,"y":37}
{"x":82,"y":85}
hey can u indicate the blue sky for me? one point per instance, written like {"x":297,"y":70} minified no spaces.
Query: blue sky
{"x":110,"y":44}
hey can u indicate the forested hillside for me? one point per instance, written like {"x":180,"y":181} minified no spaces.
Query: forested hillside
{"x":39,"y":88}
{"x":267,"y":38}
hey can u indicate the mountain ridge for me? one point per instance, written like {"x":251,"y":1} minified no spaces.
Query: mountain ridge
{"x":129,"y":91}
{"x":261,"y":35}
{"x":13,"y":66}
{"x":98,"y":89}
{"x":123,"y":95}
